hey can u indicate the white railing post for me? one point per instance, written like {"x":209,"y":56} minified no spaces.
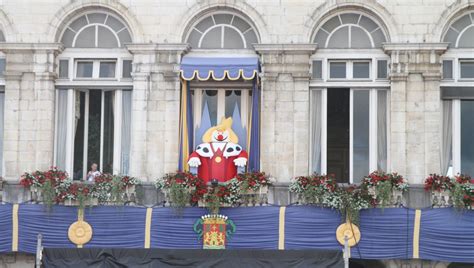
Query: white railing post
{"x":346,"y":252}
{"x":39,"y":251}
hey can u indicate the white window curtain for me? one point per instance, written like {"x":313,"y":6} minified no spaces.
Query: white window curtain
{"x":126,"y":131}
{"x":2,"y":111}
{"x":447,"y":145}
{"x":382,"y":130}
{"x":361,"y":134}
{"x":316,"y":119}
{"x":61,"y":129}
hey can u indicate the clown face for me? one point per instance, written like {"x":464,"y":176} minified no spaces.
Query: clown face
{"x":220,"y":136}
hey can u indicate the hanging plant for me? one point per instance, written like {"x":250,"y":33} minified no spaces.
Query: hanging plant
{"x":181,"y":189}
{"x":313,"y":189}
{"x":216,"y":197}
{"x":43,"y":184}
{"x":462,"y":192}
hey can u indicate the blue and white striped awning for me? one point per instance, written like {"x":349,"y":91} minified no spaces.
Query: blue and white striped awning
{"x":219,"y":68}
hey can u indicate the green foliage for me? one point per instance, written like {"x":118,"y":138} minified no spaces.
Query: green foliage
{"x":383,"y":191}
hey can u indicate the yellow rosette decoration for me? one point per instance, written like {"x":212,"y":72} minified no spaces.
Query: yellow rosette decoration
{"x":349,"y":230}
{"x":80,"y":232}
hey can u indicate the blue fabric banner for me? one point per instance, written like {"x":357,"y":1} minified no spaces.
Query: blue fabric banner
{"x":447,"y":235}
{"x":257,"y":227}
{"x":123,"y":227}
{"x":174,"y":229}
{"x":311,"y":227}
{"x":385,"y":234}
{"x":53,"y":224}
{"x":5,"y":228}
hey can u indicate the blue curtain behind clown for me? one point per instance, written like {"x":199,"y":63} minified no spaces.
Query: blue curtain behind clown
{"x":219,"y":69}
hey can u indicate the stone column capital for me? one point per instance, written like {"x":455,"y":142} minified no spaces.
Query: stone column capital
{"x":421,"y":58}
{"x":291,"y":59}
{"x":438,"y":48}
{"x":18,"y":48}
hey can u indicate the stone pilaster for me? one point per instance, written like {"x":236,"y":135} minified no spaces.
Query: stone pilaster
{"x":415,"y":108}
{"x":285,"y":109}
{"x":29,"y":106}
{"x":155,"y":109}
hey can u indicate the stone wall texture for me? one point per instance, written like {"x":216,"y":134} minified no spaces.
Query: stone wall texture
{"x":32,"y":30}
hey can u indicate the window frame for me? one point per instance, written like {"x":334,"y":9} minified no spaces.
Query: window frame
{"x":71,"y":110}
{"x":80,"y":54}
{"x":96,"y":69}
{"x":325,"y":55}
{"x":222,"y":25}
{"x":457,"y":55}
{"x":373,"y":130}
{"x":349,"y":70}
{"x":460,"y":61}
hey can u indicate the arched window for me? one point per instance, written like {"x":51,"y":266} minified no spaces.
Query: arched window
{"x":96,"y":30}
{"x":222,"y":31}
{"x":460,"y":33}
{"x":457,"y":97}
{"x":349,"y":97}
{"x":94,"y":93}
{"x":350,"y":30}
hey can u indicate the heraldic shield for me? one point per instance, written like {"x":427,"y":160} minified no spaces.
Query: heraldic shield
{"x":214,"y":230}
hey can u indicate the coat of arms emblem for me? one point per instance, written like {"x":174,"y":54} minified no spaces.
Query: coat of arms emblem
{"x":214,"y":230}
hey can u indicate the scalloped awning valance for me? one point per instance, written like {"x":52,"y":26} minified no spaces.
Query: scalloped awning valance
{"x":219,"y":68}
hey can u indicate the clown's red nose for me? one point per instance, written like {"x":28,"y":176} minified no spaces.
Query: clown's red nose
{"x":220,"y":137}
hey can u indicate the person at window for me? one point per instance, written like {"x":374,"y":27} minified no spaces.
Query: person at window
{"x":93,"y":172}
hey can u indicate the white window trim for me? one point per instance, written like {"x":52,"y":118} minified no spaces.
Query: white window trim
{"x":349,"y":33}
{"x":230,"y":25}
{"x":80,"y":54}
{"x":96,"y":69}
{"x":373,"y":143}
{"x":222,"y":26}
{"x":457,"y":55}
{"x":460,"y":61}
{"x":350,"y":70}
{"x":372,"y":55}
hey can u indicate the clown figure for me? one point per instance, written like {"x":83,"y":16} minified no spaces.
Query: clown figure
{"x":219,"y":155}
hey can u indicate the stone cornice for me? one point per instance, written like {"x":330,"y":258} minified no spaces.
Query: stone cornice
{"x":152,"y":48}
{"x":299,"y":48}
{"x":31,"y":47}
{"x":439,"y":48}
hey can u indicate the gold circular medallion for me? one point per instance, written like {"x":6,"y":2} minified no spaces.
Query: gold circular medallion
{"x":349,"y":230}
{"x":218,"y":159}
{"x":80,"y":232}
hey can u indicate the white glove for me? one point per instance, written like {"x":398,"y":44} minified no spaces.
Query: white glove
{"x":240,"y":162}
{"x":194,"y":162}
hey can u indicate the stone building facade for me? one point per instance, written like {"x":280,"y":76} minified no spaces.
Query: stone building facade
{"x":418,"y":52}
{"x":415,"y":42}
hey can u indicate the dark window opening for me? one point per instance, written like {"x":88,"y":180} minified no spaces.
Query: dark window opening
{"x":338,"y":133}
